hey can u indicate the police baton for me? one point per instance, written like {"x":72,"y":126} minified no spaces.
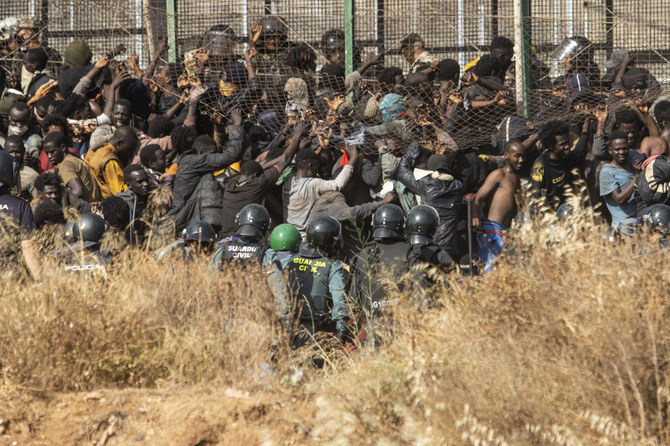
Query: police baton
{"x":469,"y":204}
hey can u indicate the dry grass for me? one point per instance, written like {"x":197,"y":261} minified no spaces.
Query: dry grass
{"x":565,"y":342}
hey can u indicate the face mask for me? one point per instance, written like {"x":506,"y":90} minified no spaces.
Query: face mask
{"x":17,"y":129}
{"x":226,"y":88}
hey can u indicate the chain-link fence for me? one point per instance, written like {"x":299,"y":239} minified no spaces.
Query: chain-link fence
{"x":460,"y":30}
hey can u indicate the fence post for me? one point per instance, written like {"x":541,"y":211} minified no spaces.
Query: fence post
{"x":522,"y":56}
{"x":171,"y":9}
{"x":349,"y":36}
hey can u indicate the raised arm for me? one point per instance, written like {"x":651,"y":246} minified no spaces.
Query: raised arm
{"x":282,"y":160}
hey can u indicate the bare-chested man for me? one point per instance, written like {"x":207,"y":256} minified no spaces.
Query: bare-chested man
{"x":500,"y":192}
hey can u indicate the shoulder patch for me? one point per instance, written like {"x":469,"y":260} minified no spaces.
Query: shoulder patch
{"x":537,"y":174}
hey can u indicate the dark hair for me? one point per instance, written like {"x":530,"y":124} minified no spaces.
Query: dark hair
{"x":300,"y":56}
{"x":54,"y":121}
{"x":38,"y":56}
{"x":662,"y":112}
{"x":250,"y":168}
{"x":552,"y":129}
{"x":160,"y":126}
{"x":625,"y":116}
{"x":58,"y":107}
{"x":47,"y":212}
{"x":130,"y":169}
{"x":203,"y":141}
{"x":617,"y":134}
{"x":124,"y":102}
{"x":501,"y":43}
{"x":57,"y":138}
{"x":487,"y":66}
{"x":182,"y":138}
{"x":306,"y":157}
{"x":14,"y":139}
{"x":73,"y":104}
{"x":45,"y":101}
{"x":19,"y":106}
{"x":332,"y":76}
{"x":48,"y":179}
{"x":387,"y":75}
{"x":116,"y":212}
{"x":448,"y":70}
{"x":148,"y":154}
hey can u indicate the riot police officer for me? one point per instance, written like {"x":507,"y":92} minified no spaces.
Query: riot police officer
{"x":197,"y":238}
{"x":273,"y":39}
{"x":17,"y":219}
{"x":285,"y":240}
{"x":387,"y":253}
{"x":316,"y":281}
{"x":422,"y":222}
{"x":657,"y":217}
{"x":82,"y":252}
{"x":332,"y":45}
{"x":248,"y":249}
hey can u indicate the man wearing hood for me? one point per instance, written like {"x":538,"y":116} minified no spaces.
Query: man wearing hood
{"x":438,"y":188}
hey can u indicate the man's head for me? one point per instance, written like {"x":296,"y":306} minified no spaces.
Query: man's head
{"x":116,"y":212}
{"x":137,"y":180}
{"x":307,"y":163}
{"x":35,"y":60}
{"x":14,"y":146}
{"x":515,"y":154}
{"x":487,"y":66}
{"x":160,"y":126}
{"x":55,"y":146}
{"x":627,"y":121}
{"x":619,"y":147}
{"x":204,"y":145}
{"x":449,"y":71}
{"x":662,"y":114}
{"x":48,"y":213}
{"x":54,"y":123}
{"x":251,"y":169}
{"x":153,"y":157}
{"x":77,"y":107}
{"x":391,"y":79}
{"x":123,"y":112}
{"x":555,"y":137}
{"x":503,"y":49}
{"x":124,"y":141}
{"x":411,"y":46}
{"x":19,"y":118}
{"x":49,"y":187}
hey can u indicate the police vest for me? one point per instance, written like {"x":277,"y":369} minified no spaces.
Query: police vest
{"x":308,"y":280}
{"x":242,"y":253}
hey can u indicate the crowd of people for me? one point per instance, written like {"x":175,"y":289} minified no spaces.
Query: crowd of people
{"x":320,"y":178}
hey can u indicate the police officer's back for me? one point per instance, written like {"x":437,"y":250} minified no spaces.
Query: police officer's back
{"x":285,"y":241}
{"x":82,"y":251}
{"x":197,"y":238}
{"x":316,"y":281}
{"x":387,"y":254}
{"x":422,"y":222}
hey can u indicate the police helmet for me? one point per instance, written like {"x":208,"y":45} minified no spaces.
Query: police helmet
{"x":273,"y":26}
{"x":564,"y":211}
{"x":88,"y":230}
{"x":324,"y":232}
{"x":524,"y":216}
{"x":332,"y":40}
{"x":8,"y":169}
{"x":220,"y":40}
{"x":199,"y":231}
{"x":8,"y":28}
{"x":252,"y":221}
{"x":422,"y":222}
{"x":657,"y":216}
{"x":575,"y":46}
{"x":285,"y":237}
{"x":389,"y":222}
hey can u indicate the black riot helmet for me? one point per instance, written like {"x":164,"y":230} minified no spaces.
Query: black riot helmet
{"x":89,"y":230}
{"x":252,"y":221}
{"x":575,"y":47}
{"x":220,"y":41}
{"x":323,"y":233}
{"x":332,"y":40}
{"x":199,"y":231}
{"x":422,"y":222}
{"x":8,"y":169}
{"x":389,"y":222}
{"x":657,"y":216}
{"x":273,"y":29}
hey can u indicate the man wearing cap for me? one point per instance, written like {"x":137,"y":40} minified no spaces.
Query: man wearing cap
{"x":438,"y":188}
{"x":413,"y":49}
{"x":622,"y":72}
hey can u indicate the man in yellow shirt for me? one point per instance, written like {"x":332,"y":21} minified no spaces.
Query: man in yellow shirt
{"x":107,"y":162}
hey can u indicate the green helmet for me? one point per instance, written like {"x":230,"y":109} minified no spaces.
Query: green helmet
{"x":285,"y":237}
